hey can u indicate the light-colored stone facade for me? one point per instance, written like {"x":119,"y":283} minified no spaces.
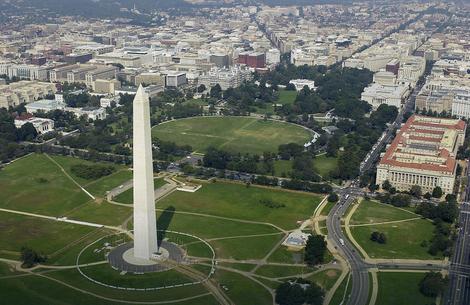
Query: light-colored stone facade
{"x":423,"y":153}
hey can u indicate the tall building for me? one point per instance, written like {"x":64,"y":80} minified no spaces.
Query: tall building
{"x":145,"y":223}
{"x":252,"y":60}
{"x":423,"y":153}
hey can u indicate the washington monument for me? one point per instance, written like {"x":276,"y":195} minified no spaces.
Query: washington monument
{"x":145,"y":225}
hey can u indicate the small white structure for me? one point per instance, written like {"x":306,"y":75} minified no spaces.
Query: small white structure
{"x":296,"y":240}
{"x":301,"y":83}
{"x":40,"y":124}
{"x":92,"y":113}
{"x":108,"y":101}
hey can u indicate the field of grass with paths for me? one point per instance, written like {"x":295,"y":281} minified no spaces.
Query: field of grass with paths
{"x":234,"y":134}
{"x":401,"y":243}
{"x":219,"y":199}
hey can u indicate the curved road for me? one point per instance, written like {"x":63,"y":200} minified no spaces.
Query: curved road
{"x":359,"y":270}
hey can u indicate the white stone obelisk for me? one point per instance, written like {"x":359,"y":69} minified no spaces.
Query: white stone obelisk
{"x":145,"y":224}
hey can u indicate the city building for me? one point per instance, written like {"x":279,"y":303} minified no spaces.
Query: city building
{"x":423,"y":153}
{"x":91,"y":113}
{"x":45,"y":106}
{"x":83,"y":73}
{"x":393,"y":95}
{"x":175,"y":79}
{"x":24,"y":92}
{"x":226,"y":78}
{"x":252,"y":59}
{"x":41,"y":125}
{"x":95,"y":49}
{"x":106,"y":86}
{"x":301,"y":83}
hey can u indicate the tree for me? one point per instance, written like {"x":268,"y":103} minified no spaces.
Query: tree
{"x":427,"y":196}
{"x":315,"y":250}
{"x":290,"y":87}
{"x":299,"y":292}
{"x":314,"y":295}
{"x":333,"y":197}
{"x":201,"y":88}
{"x":437,"y":192}
{"x":373,"y":187}
{"x":432,"y":284}
{"x":290,"y":294}
{"x":415,"y":191}
{"x":386,"y":185}
{"x":216,"y":91}
{"x":27,"y":132}
{"x":378,"y":237}
{"x":29,"y":257}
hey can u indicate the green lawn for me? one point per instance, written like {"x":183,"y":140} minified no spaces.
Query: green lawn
{"x":325,"y":278}
{"x":40,"y":291}
{"x":282,"y":255}
{"x":235,"y":134}
{"x":274,"y":271}
{"x":102,"y":213}
{"x":323,"y":165}
{"x":35,"y":184}
{"x":73,"y":277}
{"x":374,"y":212}
{"x":241,"y":202}
{"x":209,"y":227}
{"x":245,"y":248}
{"x":403,"y":239}
{"x":127,"y":197}
{"x":401,"y":288}
{"x":286,"y":97}
{"x":340,"y":293}
{"x":42,"y":235}
{"x":242,"y":290}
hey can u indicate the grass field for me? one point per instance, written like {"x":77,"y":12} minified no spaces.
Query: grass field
{"x":325,"y":278}
{"x":323,"y":165}
{"x":235,"y":134}
{"x":240,"y":289}
{"x":245,"y":248}
{"x":401,"y":288}
{"x":342,"y":292}
{"x":36,"y":184}
{"x":274,"y":271}
{"x":286,"y":97}
{"x":218,"y":199}
{"x":400,"y":243}
{"x":374,"y":212}
{"x":41,"y":291}
{"x":44,"y":236}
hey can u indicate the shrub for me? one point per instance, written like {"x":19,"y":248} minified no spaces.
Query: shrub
{"x":90,"y":172}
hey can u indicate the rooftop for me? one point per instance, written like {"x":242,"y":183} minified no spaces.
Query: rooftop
{"x":425,"y":143}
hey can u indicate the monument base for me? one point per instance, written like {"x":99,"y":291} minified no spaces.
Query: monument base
{"x":122,"y":258}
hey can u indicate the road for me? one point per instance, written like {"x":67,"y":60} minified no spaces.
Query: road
{"x":458,"y":292}
{"x":459,"y":273}
{"x":359,"y":270}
